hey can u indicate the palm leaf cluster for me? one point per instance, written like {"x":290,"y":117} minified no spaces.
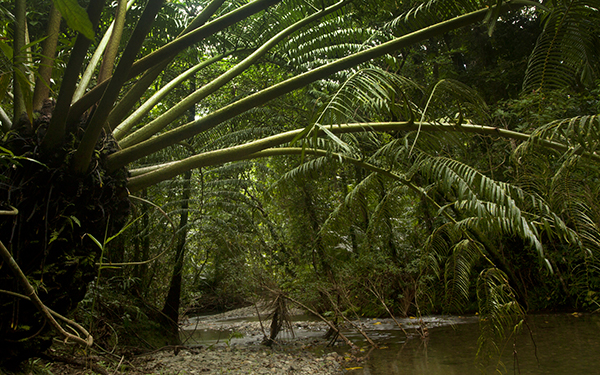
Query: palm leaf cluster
{"x":566,"y":53}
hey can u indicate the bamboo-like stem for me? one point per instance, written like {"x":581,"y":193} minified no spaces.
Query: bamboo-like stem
{"x":145,"y":177}
{"x":18,"y":59}
{"x":170,"y":50}
{"x":139,"y":88}
{"x":83,"y":155}
{"x":150,"y":146}
{"x":58,"y":124}
{"x":133,"y":119}
{"x":91,"y":67}
{"x":179,"y":109}
{"x":42,"y":83}
{"x":110,"y":55}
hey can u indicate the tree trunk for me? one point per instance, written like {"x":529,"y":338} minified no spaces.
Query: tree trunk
{"x":171,"y":307}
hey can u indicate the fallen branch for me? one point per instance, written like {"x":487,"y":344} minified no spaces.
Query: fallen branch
{"x":356,"y":326}
{"x":380,"y":298}
{"x":52,"y":312}
{"x":331,"y":325}
{"x":359,"y":329}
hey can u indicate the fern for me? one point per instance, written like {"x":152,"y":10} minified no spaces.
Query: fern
{"x":566,"y":53}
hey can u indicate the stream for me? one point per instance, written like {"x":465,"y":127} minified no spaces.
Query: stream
{"x":557,"y":344}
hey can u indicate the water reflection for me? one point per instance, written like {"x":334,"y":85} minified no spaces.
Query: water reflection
{"x":565,"y":343}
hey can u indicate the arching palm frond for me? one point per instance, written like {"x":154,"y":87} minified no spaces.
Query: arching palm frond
{"x":307,"y":169}
{"x":357,"y":198}
{"x":326,"y":41}
{"x":490,"y":206}
{"x":581,"y":134}
{"x":428,"y":12}
{"x":452,"y":256}
{"x":566,"y":53}
{"x":367,"y":94}
{"x":497,"y":303}
{"x":453,"y":101}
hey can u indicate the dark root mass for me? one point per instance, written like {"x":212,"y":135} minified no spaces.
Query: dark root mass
{"x":49,"y":237}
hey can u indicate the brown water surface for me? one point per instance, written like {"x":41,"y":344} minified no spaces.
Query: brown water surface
{"x":566,"y":344}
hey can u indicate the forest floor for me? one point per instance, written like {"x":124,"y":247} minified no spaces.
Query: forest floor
{"x":228,"y":343}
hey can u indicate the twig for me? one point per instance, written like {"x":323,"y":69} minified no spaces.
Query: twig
{"x":380,"y":298}
{"x":48,"y":313}
{"x":162,"y":253}
{"x":119,"y":365}
{"x":331,"y":325}
{"x":33,"y":297}
{"x":260,"y":321}
{"x":358,"y":328}
{"x":83,"y":363}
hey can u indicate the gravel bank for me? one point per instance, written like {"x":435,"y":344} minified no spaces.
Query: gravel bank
{"x":240,"y":360}
{"x":299,"y":355}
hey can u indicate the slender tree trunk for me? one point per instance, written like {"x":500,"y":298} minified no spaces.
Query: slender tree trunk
{"x":18,"y":59}
{"x":42,"y":83}
{"x":172,"y":303}
{"x":171,"y":307}
{"x":141,"y":270}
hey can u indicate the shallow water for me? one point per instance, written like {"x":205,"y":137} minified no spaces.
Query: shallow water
{"x":566,"y":344}
{"x":559,"y":344}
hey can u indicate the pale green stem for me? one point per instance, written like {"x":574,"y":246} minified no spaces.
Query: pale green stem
{"x":83,"y":156}
{"x":129,"y":100}
{"x":57,"y":129}
{"x":148,"y":176}
{"x":179,"y":109}
{"x":170,"y":50}
{"x":150,"y":146}
{"x":91,"y":67}
{"x":18,"y":44}
{"x":133,"y":119}
{"x":42,"y":84}
{"x":110,"y":55}
{"x":5,"y":120}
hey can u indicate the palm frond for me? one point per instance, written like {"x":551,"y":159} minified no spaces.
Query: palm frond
{"x":497,"y":303}
{"x":491,"y":206}
{"x":357,"y":198}
{"x":581,"y":133}
{"x":432,"y":11}
{"x":566,"y":53}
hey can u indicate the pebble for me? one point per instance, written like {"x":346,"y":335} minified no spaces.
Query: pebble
{"x":242,"y":360}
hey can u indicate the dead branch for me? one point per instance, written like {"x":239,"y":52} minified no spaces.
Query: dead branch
{"x":331,"y":325}
{"x":33,"y":297}
{"x":380,"y":298}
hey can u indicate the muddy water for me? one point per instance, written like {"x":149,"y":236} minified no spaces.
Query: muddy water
{"x":565,"y":343}
{"x":558,"y":344}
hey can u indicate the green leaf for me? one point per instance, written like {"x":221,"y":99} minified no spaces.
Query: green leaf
{"x":75,"y":220}
{"x":95,"y":241}
{"x":76,"y":17}
{"x":26,"y":91}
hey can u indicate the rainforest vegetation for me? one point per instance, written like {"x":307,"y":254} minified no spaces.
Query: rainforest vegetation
{"x":367,"y":157}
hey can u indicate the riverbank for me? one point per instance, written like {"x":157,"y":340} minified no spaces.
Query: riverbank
{"x":235,"y":348}
{"x":231,"y":343}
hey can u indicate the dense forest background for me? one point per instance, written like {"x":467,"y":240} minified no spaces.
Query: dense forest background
{"x":455,"y":172}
